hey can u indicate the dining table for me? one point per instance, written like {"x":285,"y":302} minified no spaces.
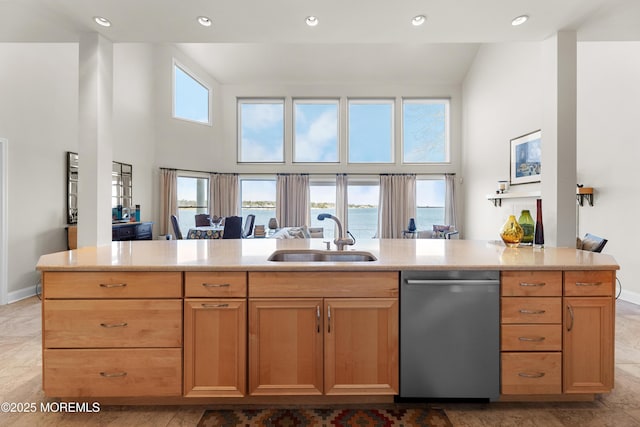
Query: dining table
{"x":206,"y":232}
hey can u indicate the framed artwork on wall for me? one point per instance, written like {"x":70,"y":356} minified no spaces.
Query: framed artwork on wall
{"x":526,"y":158}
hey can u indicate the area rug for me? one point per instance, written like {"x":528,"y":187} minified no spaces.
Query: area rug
{"x":325,"y":417}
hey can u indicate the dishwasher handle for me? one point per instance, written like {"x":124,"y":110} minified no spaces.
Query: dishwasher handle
{"x":448,"y":282}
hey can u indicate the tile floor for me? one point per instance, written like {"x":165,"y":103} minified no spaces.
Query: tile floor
{"x":21,"y":382}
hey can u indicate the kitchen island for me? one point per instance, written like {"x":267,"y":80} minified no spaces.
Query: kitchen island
{"x":213,"y":321}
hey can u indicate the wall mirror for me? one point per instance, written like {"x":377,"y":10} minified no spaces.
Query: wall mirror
{"x":121,"y":186}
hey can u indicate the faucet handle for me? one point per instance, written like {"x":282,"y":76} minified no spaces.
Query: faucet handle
{"x":328,"y":243}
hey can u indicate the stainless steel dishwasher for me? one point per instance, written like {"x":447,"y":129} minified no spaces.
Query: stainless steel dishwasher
{"x":450,"y":334}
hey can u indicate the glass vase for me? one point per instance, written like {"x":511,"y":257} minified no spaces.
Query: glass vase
{"x":527,"y":224}
{"x":511,"y":232}
{"x":538,"y":238}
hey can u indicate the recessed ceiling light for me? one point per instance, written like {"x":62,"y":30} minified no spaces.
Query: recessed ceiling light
{"x":418,"y":20}
{"x":519,"y":20}
{"x":104,"y":22}
{"x":311,"y":21}
{"x":204,"y":21}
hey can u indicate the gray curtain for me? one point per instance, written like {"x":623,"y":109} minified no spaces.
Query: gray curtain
{"x":224,"y":193}
{"x":342,"y":201}
{"x":292,"y":200}
{"x":450,"y":215}
{"x":397,"y":204}
{"x":168,"y":198}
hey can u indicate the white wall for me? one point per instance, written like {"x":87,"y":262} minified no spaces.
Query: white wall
{"x":609,"y":148}
{"x":38,"y":115}
{"x":502,"y":100}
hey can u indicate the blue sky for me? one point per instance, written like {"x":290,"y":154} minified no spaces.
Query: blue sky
{"x":191,"y":98}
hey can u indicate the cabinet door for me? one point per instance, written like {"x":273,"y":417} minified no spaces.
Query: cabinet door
{"x":361,"y":346}
{"x":285,"y":346}
{"x":588,"y":345}
{"x":215,"y":347}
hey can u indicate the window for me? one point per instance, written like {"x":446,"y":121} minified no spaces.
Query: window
{"x":193,"y":198}
{"x":322,"y":195}
{"x":190,"y":97}
{"x":430,"y":196}
{"x":370,"y":131}
{"x":425,"y":130}
{"x":261,"y":130}
{"x":363,"y":209}
{"x":259,"y":198}
{"x":315,"y":131}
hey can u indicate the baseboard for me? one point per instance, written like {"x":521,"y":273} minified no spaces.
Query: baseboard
{"x":630,"y":296}
{"x":24,"y":293}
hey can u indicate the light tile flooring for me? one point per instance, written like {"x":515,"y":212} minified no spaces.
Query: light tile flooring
{"x":21,"y":382}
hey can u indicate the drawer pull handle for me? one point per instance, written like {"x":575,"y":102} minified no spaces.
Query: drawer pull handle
{"x":113,"y":285}
{"x":216,"y":285}
{"x":525,"y":311}
{"x":531,"y":374}
{"x":588,"y":283}
{"x":532,"y":284}
{"x":532,"y":339}
{"x":215,"y":305}
{"x":113,"y":375}
{"x":113,"y":325}
{"x":318,"y":318}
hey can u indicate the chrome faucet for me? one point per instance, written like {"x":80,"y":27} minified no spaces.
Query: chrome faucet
{"x":341,"y":241}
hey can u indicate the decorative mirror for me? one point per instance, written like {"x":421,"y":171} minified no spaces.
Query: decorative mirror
{"x":121,"y":186}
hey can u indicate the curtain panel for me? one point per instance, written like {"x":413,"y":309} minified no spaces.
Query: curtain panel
{"x":168,"y":198}
{"x":224,"y":193}
{"x":292,"y":200}
{"x":397,"y":204}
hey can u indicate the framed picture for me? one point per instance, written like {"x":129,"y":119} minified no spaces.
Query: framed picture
{"x":526,"y":157}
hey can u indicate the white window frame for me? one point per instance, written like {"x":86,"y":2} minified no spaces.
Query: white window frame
{"x":187,"y":71}
{"x":392,"y":118}
{"x":447,"y":125}
{"x":271,"y":100}
{"x":319,"y":101}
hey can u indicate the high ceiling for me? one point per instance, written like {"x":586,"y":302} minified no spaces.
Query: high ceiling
{"x":267,"y":41}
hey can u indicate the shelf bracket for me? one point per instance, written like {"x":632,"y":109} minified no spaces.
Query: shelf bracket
{"x":584,"y":193}
{"x":496,"y":202}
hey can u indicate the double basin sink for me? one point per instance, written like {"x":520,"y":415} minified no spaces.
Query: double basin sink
{"x":313,"y":255}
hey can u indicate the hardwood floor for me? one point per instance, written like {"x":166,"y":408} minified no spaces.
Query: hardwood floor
{"x":21,"y":383}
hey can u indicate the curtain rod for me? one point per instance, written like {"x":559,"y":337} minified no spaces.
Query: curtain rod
{"x":308,"y":173}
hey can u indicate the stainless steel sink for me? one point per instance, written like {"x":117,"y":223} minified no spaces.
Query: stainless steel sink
{"x":312,"y":255}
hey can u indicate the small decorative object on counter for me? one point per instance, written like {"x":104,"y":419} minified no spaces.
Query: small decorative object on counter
{"x":137,"y":213}
{"x":412,"y":225}
{"x":273,"y":224}
{"x":503,"y":186}
{"x":528,"y":226}
{"x":538,"y":239}
{"x":511,"y":232}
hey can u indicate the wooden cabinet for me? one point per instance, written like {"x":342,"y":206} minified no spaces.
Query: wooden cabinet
{"x":215,"y":331}
{"x":588,"y":332}
{"x":112,"y":334}
{"x":531,"y":336}
{"x":306,"y":338}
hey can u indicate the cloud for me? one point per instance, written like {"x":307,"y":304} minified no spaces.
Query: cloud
{"x":262,"y":116}
{"x":317,"y":141}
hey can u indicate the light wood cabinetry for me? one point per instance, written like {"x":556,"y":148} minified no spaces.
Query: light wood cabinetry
{"x":215,"y":330}
{"x":307,"y":337}
{"x":112,"y":334}
{"x":588,"y":332}
{"x":531,"y":336}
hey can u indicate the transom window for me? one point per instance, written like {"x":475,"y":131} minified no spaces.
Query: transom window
{"x":261,"y":130}
{"x":425,"y":130}
{"x":370,"y":131}
{"x":315,"y":138}
{"x":190,"y":97}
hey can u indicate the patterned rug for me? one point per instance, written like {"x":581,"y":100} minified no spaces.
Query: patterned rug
{"x":325,"y":417}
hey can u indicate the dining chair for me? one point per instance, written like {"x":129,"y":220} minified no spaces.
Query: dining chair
{"x":248,"y":226}
{"x":203,"y":220}
{"x":176,"y":227}
{"x":232,"y":227}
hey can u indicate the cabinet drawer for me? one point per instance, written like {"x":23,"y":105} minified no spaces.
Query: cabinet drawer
{"x":589,"y":283}
{"x":531,"y":338}
{"x":332,"y":284}
{"x":531,"y":310}
{"x":531,"y":373}
{"x":112,"y":323}
{"x":215,"y":284}
{"x":531,"y":283}
{"x":112,"y":372}
{"x":133,"y":284}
